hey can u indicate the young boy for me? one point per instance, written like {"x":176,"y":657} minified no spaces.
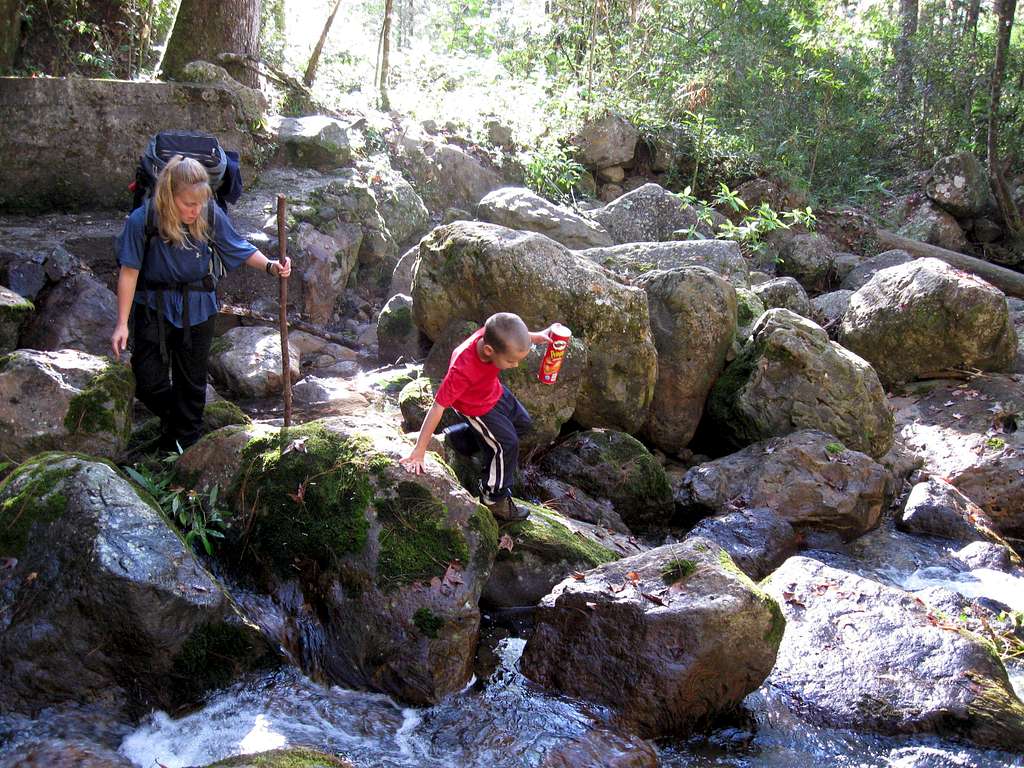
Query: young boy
{"x":494,"y":418}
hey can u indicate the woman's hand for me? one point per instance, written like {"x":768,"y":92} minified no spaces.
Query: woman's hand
{"x":283,"y":268}
{"x":119,"y":340}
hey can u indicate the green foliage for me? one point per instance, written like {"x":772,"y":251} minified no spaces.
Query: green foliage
{"x":427,"y":622}
{"x":94,"y":38}
{"x":676,"y":570}
{"x":752,"y":227}
{"x":834,"y":448}
{"x":199,"y":515}
{"x":553,"y":172}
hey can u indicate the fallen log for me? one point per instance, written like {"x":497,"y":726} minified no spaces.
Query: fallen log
{"x":1009,"y":282}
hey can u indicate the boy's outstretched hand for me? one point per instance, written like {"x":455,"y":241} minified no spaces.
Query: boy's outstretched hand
{"x":413,"y":463}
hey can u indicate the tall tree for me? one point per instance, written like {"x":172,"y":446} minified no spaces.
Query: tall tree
{"x":314,"y":59}
{"x":904,"y":54}
{"x":204,"y":29}
{"x":385,"y":43}
{"x":1005,"y":10}
{"x":10,"y":33}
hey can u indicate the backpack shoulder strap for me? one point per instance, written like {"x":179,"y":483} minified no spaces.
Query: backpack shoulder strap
{"x":149,"y":229}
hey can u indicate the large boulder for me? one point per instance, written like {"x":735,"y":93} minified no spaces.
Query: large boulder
{"x":520,"y":208}
{"x":857,"y":654}
{"x":316,"y":141}
{"x":935,"y":507}
{"x":958,"y":183}
{"x":397,"y":334}
{"x":827,"y":310}
{"x":346,"y":209}
{"x":930,"y":224}
{"x":970,"y":436}
{"x":810,"y":259}
{"x":392,"y":563}
{"x":14,"y":311}
{"x":403,"y":211}
{"x":606,"y":141}
{"x":445,"y":175}
{"x":78,"y":313}
{"x":326,"y":262}
{"x":665,"y":639}
{"x":859,"y":276}
{"x":64,"y":400}
{"x":926,"y":316}
{"x":808,"y":478}
{"x":471,"y":270}
{"x":633,"y":259}
{"x":790,"y":376}
{"x":613,"y":465}
{"x":247,"y":361}
{"x":102,"y":586}
{"x":544,"y":549}
{"x":758,"y":540}
{"x":693,"y":319}
{"x":648,"y":214}
{"x":783,"y":293}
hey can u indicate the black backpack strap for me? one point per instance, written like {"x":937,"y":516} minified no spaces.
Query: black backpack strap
{"x":149,"y":229}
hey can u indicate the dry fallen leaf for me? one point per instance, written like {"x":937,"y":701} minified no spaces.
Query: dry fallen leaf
{"x":579,"y":575}
{"x":633,"y":576}
{"x":453,"y":576}
{"x":654,"y":598}
{"x":505,"y":543}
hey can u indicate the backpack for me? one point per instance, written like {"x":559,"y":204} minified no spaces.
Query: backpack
{"x":221,"y":166}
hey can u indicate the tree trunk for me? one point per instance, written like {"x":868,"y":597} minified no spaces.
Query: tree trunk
{"x":10,"y":33}
{"x":204,"y":29}
{"x":314,"y":59}
{"x":385,"y":42}
{"x":1007,"y":280}
{"x":971,"y":23}
{"x":904,"y":55}
{"x":1005,"y":10}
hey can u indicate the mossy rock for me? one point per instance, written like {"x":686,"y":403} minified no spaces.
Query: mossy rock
{"x":298,"y":757}
{"x":14,"y":310}
{"x":546,"y":548}
{"x":614,"y":466}
{"x":102,"y":406}
{"x":32,"y":494}
{"x":221,"y":414}
{"x":392,"y":563}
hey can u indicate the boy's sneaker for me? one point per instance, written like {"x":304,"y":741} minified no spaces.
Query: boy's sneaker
{"x":505,"y":509}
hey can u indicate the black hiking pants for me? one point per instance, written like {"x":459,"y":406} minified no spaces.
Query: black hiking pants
{"x":497,"y":434}
{"x":175,"y":389}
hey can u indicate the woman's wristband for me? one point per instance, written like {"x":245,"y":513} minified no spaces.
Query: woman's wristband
{"x":270,"y":266}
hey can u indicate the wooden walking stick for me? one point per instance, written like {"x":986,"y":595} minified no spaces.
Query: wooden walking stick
{"x":286,"y":366}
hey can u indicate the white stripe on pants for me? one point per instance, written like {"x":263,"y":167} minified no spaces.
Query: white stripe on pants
{"x":496,"y":473}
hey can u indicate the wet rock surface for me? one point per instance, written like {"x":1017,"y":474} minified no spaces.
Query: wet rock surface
{"x":665,"y":638}
{"x":859,"y":654}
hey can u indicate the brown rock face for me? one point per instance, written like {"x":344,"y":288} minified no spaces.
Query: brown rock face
{"x":666,"y":638}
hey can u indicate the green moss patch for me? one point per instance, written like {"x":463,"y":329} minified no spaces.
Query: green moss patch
{"x":544,"y":530}
{"x":222,"y":414}
{"x":31,"y":494}
{"x":428,"y":622}
{"x":773,"y":635}
{"x":416,"y":544}
{"x":106,"y":395}
{"x":219,"y":346}
{"x":304,"y":493}
{"x":396,"y":323}
{"x":676,"y":570}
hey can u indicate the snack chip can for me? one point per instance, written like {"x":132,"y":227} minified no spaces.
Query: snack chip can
{"x":557,"y":347}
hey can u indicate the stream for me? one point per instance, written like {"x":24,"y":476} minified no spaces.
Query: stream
{"x":501,"y":719}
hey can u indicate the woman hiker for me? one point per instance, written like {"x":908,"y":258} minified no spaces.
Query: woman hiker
{"x":167,"y":277}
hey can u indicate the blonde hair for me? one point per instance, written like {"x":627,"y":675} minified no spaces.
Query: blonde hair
{"x":180,"y":175}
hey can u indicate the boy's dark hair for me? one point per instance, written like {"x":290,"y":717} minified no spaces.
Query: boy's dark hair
{"x":506,"y":330}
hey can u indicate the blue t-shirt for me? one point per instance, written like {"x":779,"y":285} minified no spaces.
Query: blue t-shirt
{"x":167,"y":263}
